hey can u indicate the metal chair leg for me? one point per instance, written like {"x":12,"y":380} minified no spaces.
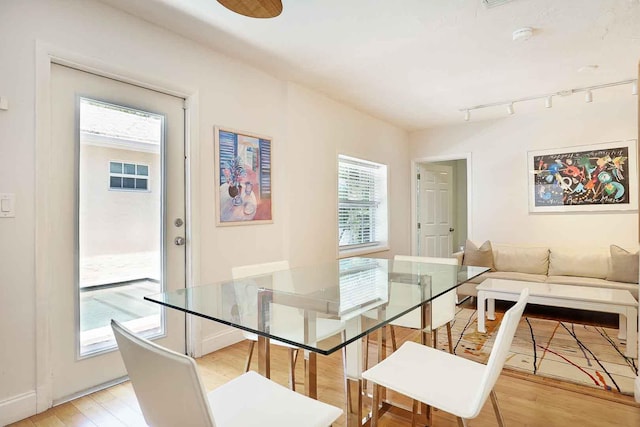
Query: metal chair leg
{"x":462,"y":422}
{"x":414,"y":413}
{"x":393,"y":338}
{"x":248,"y":364}
{"x":494,"y":401}
{"x":449,"y":338}
{"x":366,"y":352}
{"x":375,"y":405}
{"x":293,"y":356}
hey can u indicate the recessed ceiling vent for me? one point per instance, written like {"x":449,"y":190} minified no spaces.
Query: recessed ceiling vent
{"x":494,"y":3}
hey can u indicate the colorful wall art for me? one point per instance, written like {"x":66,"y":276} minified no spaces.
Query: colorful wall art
{"x":243,"y":178}
{"x":596,"y":177}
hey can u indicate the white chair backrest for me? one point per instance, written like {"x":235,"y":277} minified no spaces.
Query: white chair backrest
{"x":257,"y":269}
{"x":243,"y":271}
{"x":500,"y":349}
{"x":166,"y":383}
{"x":443,"y":308}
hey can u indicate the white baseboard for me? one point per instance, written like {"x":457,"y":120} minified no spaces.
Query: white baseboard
{"x":17,"y":408}
{"x":637,"y":389}
{"x":221,"y":340}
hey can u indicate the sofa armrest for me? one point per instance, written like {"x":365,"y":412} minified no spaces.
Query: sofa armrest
{"x":458,"y":256}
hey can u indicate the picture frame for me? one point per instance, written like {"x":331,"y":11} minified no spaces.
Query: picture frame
{"x":243,"y":177}
{"x":585,"y":178}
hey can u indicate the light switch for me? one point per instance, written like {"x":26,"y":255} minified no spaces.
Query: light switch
{"x":7,"y":203}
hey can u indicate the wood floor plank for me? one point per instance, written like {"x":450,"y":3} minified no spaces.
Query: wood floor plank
{"x":523,"y":402}
{"x":69,"y":415}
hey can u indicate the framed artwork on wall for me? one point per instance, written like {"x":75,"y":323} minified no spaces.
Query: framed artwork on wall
{"x":598,"y":177}
{"x":242,"y":178}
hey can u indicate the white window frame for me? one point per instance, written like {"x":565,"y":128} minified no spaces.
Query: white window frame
{"x":126,"y":175}
{"x":380,"y":228}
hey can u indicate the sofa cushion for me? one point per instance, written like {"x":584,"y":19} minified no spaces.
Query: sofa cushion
{"x":598,"y":283}
{"x":521,"y":259}
{"x":576,"y":262}
{"x":479,"y":256}
{"x":623,"y":266}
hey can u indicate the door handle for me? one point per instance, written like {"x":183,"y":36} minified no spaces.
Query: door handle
{"x":179,"y":241}
{"x":451,"y":230}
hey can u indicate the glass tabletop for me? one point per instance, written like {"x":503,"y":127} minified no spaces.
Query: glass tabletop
{"x":322,"y":307}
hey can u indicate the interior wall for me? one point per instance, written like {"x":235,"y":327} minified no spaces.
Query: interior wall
{"x":500,"y":174}
{"x":328,"y":129}
{"x":308,"y":132}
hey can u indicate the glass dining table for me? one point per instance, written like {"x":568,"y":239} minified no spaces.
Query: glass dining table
{"x":324,"y":308}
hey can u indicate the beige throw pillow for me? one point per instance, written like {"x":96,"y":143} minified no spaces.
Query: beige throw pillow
{"x":623,"y":266}
{"x":479,"y":256}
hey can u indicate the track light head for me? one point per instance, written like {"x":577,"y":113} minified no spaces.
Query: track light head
{"x":510,"y":109}
{"x":548,"y":102}
{"x":588,"y":97}
{"x":467,"y":115}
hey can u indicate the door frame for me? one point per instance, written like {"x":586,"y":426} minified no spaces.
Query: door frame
{"x":45,"y":55}
{"x":414,"y":191}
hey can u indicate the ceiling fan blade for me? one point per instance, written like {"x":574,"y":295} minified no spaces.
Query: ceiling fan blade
{"x":254,"y":8}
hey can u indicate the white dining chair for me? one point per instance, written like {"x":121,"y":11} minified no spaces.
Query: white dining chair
{"x":170,"y":392}
{"x":443,"y":309}
{"x":325,"y":327}
{"x":445,"y":381}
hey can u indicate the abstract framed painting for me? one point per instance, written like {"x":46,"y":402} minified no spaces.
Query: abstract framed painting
{"x":587,"y":178}
{"x":242,"y":178}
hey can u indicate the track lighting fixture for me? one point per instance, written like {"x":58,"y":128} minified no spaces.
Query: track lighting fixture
{"x":548,"y":103}
{"x":510,"y":109}
{"x":588,"y":97}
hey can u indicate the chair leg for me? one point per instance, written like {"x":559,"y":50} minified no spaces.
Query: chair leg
{"x":434,"y":338}
{"x":494,"y":401}
{"x":393,"y":338}
{"x":375,"y":404}
{"x":449,"y":338}
{"x":414,"y":413}
{"x":248,"y":364}
{"x":462,"y":422}
{"x":366,"y":352}
{"x":293,"y":356}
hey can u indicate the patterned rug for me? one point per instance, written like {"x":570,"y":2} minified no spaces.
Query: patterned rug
{"x":577,"y":353}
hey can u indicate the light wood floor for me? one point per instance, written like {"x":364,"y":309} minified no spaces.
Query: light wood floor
{"x":524,"y":402}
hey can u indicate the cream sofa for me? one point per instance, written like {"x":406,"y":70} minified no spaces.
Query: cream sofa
{"x":578,"y":266}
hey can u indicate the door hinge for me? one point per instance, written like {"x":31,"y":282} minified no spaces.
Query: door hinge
{"x":418,"y":177}
{"x":418,"y":226}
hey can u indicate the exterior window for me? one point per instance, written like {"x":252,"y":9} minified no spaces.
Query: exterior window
{"x":362,"y":204}
{"x":128,"y":176}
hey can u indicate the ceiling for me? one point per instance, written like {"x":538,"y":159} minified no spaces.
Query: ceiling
{"x":416,"y":63}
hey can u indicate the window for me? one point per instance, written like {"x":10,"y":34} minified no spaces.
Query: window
{"x":128,"y":176}
{"x":362,"y":204}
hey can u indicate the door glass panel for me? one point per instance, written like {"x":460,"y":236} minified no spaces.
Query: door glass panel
{"x":120,"y":222}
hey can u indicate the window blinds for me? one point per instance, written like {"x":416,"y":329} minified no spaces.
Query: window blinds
{"x":360,"y":193}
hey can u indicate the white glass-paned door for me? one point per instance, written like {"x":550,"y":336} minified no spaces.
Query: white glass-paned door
{"x":117,"y":189}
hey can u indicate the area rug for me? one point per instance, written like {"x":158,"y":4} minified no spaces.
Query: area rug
{"x":572,"y":352}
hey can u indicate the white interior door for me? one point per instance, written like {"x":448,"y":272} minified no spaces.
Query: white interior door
{"x":117,"y":203}
{"x":435,"y":206}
